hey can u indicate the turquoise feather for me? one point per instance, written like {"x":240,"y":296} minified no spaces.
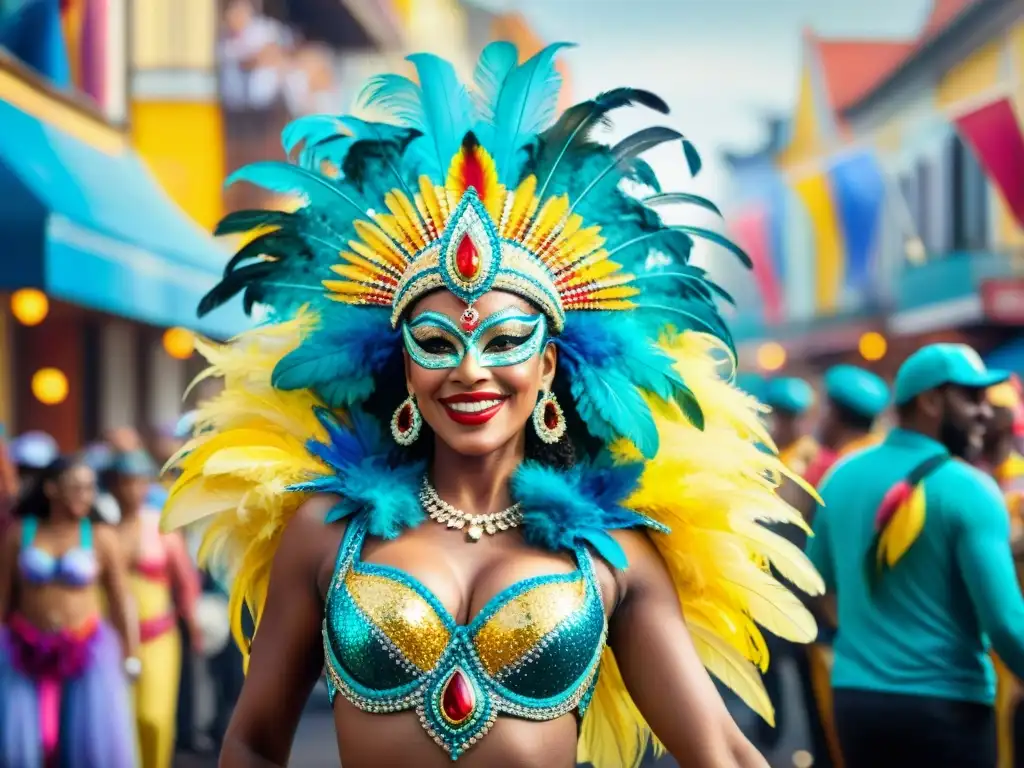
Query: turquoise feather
{"x":446,"y":107}
{"x":525,"y":105}
{"x":493,"y":67}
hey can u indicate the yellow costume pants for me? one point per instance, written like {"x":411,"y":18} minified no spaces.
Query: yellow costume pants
{"x":1008,"y":697}
{"x":156,"y":690}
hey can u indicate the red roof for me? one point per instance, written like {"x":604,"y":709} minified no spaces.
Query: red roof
{"x":853,"y":68}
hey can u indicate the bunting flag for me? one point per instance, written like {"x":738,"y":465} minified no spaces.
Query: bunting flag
{"x":829,"y":248}
{"x":34,"y":35}
{"x":752,"y":230}
{"x":858,"y":190}
{"x":994,"y":132}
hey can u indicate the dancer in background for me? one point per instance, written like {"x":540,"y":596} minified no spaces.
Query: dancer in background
{"x":790,"y":399}
{"x":64,"y":672}
{"x":913,"y":543}
{"x":1004,"y":462}
{"x":165,"y":585}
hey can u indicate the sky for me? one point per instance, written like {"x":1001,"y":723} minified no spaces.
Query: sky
{"x":722,"y":65}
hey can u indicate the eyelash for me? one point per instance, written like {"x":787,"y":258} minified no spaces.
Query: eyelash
{"x":505,"y":341}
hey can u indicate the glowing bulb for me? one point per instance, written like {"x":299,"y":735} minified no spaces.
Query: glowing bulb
{"x":50,"y":386}
{"x":872,"y":346}
{"x":179,"y":343}
{"x":29,"y":306}
{"x":771,"y":356}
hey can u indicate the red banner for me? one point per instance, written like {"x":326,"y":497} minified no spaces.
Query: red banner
{"x":751,"y":231}
{"x":994,"y":131}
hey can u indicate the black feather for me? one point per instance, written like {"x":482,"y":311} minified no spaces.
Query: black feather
{"x":573,"y":128}
{"x":243,"y":221}
{"x":238,"y":280}
{"x":626,"y":151}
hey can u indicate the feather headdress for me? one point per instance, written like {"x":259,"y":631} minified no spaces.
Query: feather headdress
{"x":477,"y":189}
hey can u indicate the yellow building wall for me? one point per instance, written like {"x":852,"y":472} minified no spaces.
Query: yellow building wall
{"x":979,"y":73}
{"x":183,"y":145}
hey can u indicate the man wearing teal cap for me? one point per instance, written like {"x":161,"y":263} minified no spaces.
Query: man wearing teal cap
{"x":914,"y":545}
{"x":855,"y":398}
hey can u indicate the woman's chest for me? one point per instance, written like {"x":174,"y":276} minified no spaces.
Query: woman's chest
{"x":462,"y":636}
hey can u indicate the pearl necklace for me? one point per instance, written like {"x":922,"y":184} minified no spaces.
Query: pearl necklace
{"x":476,"y":525}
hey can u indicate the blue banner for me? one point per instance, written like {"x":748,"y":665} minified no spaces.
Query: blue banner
{"x":33,"y":34}
{"x":858,"y":191}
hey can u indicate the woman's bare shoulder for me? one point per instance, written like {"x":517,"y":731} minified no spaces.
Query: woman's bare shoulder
{"x":309,"y":542}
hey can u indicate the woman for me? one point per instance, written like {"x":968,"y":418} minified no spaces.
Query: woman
{"x":63,"y":671}
{"x":465,"y":584}
{"x":165,"y":584}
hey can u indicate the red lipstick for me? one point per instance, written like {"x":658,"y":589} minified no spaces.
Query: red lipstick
{"x":471,"y":409}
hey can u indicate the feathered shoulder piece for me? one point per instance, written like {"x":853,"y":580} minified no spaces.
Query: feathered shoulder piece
{"x":470,"y":189}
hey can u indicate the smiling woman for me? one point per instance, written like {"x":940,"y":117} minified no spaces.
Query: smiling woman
{"x":566,"y":525}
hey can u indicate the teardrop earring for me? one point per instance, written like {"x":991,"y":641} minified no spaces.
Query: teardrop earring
{"x":548,"y":419}
{"x":406,"y":422}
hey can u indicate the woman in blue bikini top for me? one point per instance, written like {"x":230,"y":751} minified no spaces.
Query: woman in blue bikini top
{"x":561,"y":530}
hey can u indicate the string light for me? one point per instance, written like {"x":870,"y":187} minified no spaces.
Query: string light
{"x":179,"y":343}
{"x":29,"y":306}
{"x":771,"y":356}
{"x":50,"y":386}
{"x":872,"y":346}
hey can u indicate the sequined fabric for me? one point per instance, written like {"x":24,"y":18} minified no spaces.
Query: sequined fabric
{"x":532,"y":652}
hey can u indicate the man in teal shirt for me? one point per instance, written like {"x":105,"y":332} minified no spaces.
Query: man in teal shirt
{"x":913,"y":684}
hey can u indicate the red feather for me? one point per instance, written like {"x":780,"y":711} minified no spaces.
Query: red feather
{"x":472,"y":170}
{"x":891,"y":502}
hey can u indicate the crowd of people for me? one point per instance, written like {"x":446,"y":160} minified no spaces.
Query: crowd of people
{"x":916,"y":522}
{"x":104,"y":615}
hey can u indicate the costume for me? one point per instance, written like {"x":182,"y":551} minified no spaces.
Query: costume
{"x":473,"y":190}
{"x":63,"y":695}
{"x":165,"y":584}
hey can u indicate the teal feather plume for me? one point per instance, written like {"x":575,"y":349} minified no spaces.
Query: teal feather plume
{"x":525,"y":105}
{"x":398,"y":97}
{"x":496,"y":61}
{"x":447,"y":109}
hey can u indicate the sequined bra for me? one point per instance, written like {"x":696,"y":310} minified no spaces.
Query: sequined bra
{"x":77,"y":567}
{"x":533,"y":651}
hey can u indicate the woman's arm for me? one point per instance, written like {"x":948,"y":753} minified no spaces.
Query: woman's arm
{"x":9,"y":568}
{"x":286,"y":655}
{"x":185,"y":584}
{"x":662,"y":671}
{"x":114,"y":579}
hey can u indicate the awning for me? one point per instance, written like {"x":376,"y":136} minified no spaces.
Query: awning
{"x":85,"y":222}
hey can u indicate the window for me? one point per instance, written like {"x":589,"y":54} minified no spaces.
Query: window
{"x":970,"y":199}
{"x":174,"y":34}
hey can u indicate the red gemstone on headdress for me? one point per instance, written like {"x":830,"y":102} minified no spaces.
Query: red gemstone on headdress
{"x":405,"y":419}
{"x":467,"y":258}
{"x":550,"y":416}
{"x":470,"y":319}
{"x":457,"y":699}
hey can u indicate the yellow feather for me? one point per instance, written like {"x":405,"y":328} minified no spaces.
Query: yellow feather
{"x":904,"y":528}
{"x":523,"y":202}
{"x":547,"y":221}
{"x":710,"y":488}
{"x":431,"y":206}
{"x":380,"y":242}
{"x":406,"y":218}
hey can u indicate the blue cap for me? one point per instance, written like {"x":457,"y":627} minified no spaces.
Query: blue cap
{"x":133,"y":464}
{"x":789,"y":394}
{"x":98,"y":456}
{"x":938,"y":364}
{"x":751,"y":383}
{"x":34,"y":450}
{"x":857,"y":390}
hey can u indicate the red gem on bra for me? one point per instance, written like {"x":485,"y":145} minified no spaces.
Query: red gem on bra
{"x":457,"y":698}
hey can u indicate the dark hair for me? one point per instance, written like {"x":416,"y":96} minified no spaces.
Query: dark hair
{"x":576,"y":443}
{"x":34,"y":502}
{"x":851,"y":418}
